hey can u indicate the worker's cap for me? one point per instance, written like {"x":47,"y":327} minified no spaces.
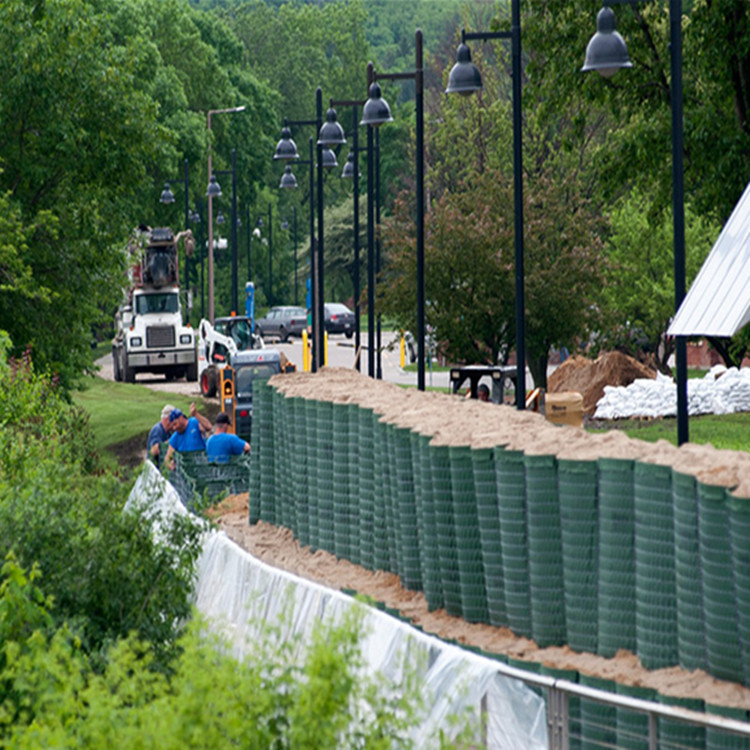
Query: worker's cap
{"x":223,"y":418}
{"x":166,"y":411}
{"x":175,"y":414}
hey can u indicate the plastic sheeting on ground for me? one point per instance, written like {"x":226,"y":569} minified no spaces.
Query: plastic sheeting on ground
{"x":720,"y":391}
{"x":238,"y":593}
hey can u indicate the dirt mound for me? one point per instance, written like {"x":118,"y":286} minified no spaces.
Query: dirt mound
{"x":589,"y":377}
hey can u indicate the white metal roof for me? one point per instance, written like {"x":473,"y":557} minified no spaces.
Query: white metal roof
{"x":718,"y":301}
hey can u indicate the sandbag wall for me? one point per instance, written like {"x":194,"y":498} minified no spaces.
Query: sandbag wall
{"x":599,"y":542}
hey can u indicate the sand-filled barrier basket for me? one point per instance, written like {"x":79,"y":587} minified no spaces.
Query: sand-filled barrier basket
{"x":488,"y":516}
{"x":690,"y":633}
{"x":366,"y":485}
{"x":298,"y":474}
{"x":313,"y":540}
{"x":511,"y":498}
{"x":255,"y":469}
{"x":577,"y":486}
{"x":390,"y":500}
{"x":723,"y":650}
{"x":616,"y":563}
{"x":598,"y":721}
{"x":263,"y":417}
{"x":468,"y":545}
{"x":446,"y":533}
{"x":545,"y":551}
{"x":632,"y":726}
{"x":418,"y":482}
{"x":381,"y":497}
{"x":283,"y":506}
{"x":325,"y":476}
{"x":718,"y":740}
{"x":656,"y":598}
{"x":407,"y":528}
{"x":352,"y":469}
{"x":341,"y":442}
{"x":678,"y":734}
{"x":739,"y":533}
{"x":430,"y":546}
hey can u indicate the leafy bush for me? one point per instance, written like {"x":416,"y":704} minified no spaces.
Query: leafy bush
{"x":104,"y":569}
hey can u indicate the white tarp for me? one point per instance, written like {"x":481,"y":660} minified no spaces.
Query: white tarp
{"x":236,"y":592}
{"x":718,"y":301}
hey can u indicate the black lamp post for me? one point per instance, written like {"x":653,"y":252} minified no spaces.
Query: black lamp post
{"x":465,"y":79}
{"x":195,"y":218}
{"x":285,"y":227}
{"x":270,"y":259}
{"x":376,"y":112}
{"x":167,"y":196}
{"x":607,"y":53}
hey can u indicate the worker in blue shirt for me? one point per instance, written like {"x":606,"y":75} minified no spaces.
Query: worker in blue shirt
{"x":189,"y":434}
{"x":222,"y":444}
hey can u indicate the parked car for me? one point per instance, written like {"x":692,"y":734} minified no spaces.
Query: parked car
{"x":339,"y":319}
{"x":282,"y":322}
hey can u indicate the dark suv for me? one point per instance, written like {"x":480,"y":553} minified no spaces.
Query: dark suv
{"x":282,"y":322}
{"x":339,"y":319}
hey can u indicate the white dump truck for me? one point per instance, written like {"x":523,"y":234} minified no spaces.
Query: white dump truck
{"x":149,"y":332}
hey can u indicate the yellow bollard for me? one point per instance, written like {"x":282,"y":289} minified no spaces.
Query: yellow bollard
{"x":403,"y":351}
{"x":325,"y":352}
{"x":305,"y":353}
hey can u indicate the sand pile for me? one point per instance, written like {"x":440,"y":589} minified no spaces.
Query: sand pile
{"x":589,"y":377}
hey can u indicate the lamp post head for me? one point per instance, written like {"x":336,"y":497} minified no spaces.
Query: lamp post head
{"x":328,"y":159}
{"x":284,"y":224}
{"x":348,"y":172}
{"x":195,"y":217}
{"x":220,"y":218}
{"x":464,"y":77}
{"x":286,"y":148}
{"x":331,"y":133}
{"x":167,"y":196}
{"x":607,"y":52}
{"x":288,"y":180}
{"x":214,"y":189}
{"x":376,"y":110}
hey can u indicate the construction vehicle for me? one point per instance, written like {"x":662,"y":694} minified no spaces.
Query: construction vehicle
{"x":149,"y":331}
{"x":237,"y":379}
{"x":218,"y":343}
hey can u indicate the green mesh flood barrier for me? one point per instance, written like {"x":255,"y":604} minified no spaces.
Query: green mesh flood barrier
{"x":381,"y":498}
{"x":511,"y":500}
{"x":255,"y":470}
{"x":263,"y":412}
{"x":196,"y":476}
{"x":325,"y":476}
{"x":577,"y":487}
{"x":306,"y":465}
{"x":545,"y":551}
{"x":418,"y":485}
{"x":352,"y":469}
{"x":632,"y":726}
{"x":488,"y":516}
{"x":296,"y":475}
{"x":723,"y":651}
{"x":656,"y":597}
{"x":677,"y":734}
{"x":340,"y":448}
{"x":739,"y":533}
{"x":390,"y":498}
{"x":616,"y":564}
{"x":718,"y":740}
{"x":366,"y":489}
{"x":406,"y":511}
{"x":311,"y":419}
{"x":690,"y":634}
{"x":466,"y":526}
{"x":444,"y":523}
{"x":283,"y":507}
{"x":431,"y":560}
{"x":598,"y":721}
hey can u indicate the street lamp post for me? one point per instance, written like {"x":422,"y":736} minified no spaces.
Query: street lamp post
{"x":607,"y":53}
{"x":195,"y":218}
{"x":376,"y":112}
{"x":270,"y":258}
{"x":211,"y":194}
{"x":465,"y":79}
{"x":233,"y":230}
{"x":167,"y":196}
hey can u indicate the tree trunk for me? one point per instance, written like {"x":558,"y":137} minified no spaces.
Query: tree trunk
{"x":538,"y":368}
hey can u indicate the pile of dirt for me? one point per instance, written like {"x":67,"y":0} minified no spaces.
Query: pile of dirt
{"x":589,"y":377}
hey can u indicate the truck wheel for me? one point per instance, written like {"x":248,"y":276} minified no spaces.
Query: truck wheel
{"x":209,"y":382}
{"x":283,"y":335}
{"x":116,"y":374}
{"x":191,"y":373}
{"x":128,"y":373}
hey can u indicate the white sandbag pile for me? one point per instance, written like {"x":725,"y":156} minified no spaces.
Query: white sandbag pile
{"x":720,"y":391}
